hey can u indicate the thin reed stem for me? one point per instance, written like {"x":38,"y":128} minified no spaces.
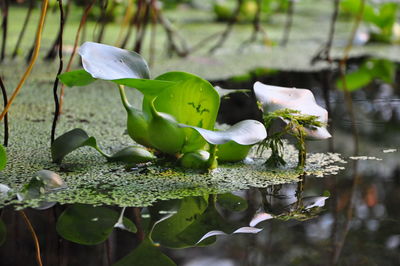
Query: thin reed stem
{"x":34,"y":236}
{"x":33,"y":59}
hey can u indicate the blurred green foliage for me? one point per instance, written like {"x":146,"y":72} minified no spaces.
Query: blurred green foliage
{"x":370,"y":70}
{"x":380,"y":17}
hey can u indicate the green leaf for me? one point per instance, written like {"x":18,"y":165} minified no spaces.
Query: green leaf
{"x":3,"y":157}
{"x":3,"y":232}
{"x":386,"y":16}
{"x":246,"y":132}
{"x":382,"y":69}
{"x":110,"y":63}
{"x":44,"y":182}
{"x":76,"y":78}
{"x":192,"y":101}
{"x":371,"y":69}
{"x":70,"y":141}
{"x":166,"y":232}
{"x":132,"y":155}
{"x":232,"y":152}
{"x":232,"y":202}
{"x":149,"y":87}
{"x":86,"y":225}
{"x":355,"y":80}
{"x":144,"y":255}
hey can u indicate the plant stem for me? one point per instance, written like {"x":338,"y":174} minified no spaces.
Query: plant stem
{"x":51,"y":54}
{"x":124,"y":99}
{"x":5,"y":100}
{"x":229,"y":27}
{"x":97,"y":148}
{"x":325,"y":52}
{"x":23,"y":30}
{"x":288,"y":24}
{"x":33,"y":60}
{"x":102,"y":20}
{"x":153,"y":35}
{"x":301,"y":146}
{"x":34,"y":236}
{"x":342,"y":69}
{"x":77,"y":37}
{"x":125,"y":22}
{"x":56,"y":81}
{"x":172,"y":34}
{"x":257,"y":28}
{"x":133,"y":21}
{"x":211,"y":163}
{"x":4,"y":26}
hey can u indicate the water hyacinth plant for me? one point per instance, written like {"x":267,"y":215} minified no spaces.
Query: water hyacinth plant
{"x":298,"y":109}
{"x":178,"y":113}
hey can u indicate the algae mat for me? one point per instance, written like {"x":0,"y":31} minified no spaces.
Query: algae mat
{"x":91,"y":180}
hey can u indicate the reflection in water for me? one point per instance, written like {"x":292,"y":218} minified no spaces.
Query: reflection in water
{"x":359,"y":225}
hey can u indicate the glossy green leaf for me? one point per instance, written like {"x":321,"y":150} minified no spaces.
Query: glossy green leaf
{"x":149,"y":87}
{"x":132,"y":155}
{"x":167,"y":231}
{"x":192,"y":101}
{"x":70,"y":141}
{"x":3,"y":157}
{"x":145,"y":254}
{"x":76,"y":78}
{"x":3,"y":232}
{"x":232,"y":152}
{"x":86,"y":225}
{"x":355,"y":80}
{"x":246,"y":132}
{"x":110,"y":63}
{"x":44,"y":182}
{"x":232,"y":202}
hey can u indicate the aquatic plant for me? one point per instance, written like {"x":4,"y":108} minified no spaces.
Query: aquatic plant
{"x":370,"y":70}
{"x":297,"y":108}
{"x":174,"y":104}
{"x":380,"y":18}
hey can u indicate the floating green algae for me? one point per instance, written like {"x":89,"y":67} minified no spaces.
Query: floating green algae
{"x":92,"y":180}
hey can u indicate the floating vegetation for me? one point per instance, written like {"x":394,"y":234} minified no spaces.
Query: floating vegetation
{"x":364,"y":158}
{"x":91,"y":179}
{"x":389,"y":150}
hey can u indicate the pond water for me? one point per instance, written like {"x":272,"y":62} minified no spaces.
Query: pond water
{"x":351,"y":218}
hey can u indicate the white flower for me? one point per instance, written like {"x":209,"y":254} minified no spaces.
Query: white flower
{"x":275,"y":98}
